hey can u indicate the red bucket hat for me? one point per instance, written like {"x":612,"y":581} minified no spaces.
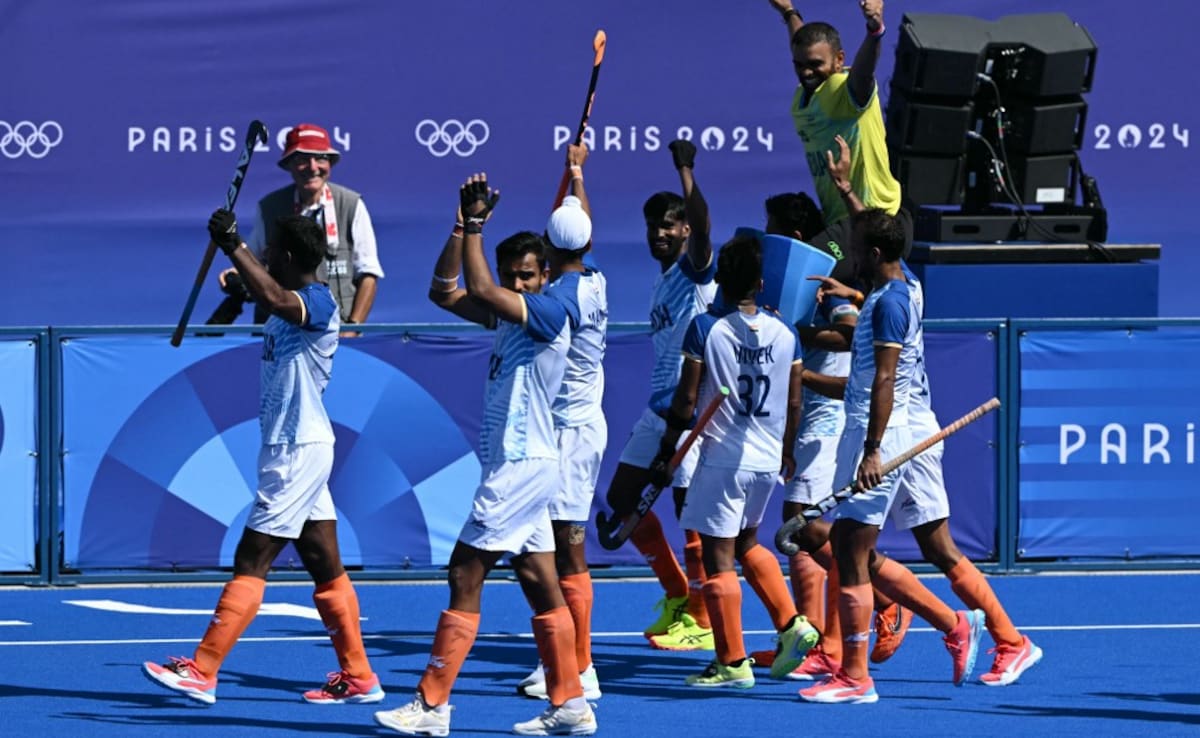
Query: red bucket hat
{"x":307,"y":138}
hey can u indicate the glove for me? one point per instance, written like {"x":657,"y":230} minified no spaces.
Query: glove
{"x":476,"y":202}
{"x":236,"y":288}
{"x":661,"y":473}
{"x":683,"y":153}
{"x":222,"y":229}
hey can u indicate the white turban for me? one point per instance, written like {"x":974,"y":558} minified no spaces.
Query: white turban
{"x":569,"y":228}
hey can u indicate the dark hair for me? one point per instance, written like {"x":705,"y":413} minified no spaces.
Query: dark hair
{"x":815,"y":33}
{"x":519,"y":244}
{"x":739,"y":267}
{"x":664,"y":205}
{"x":878,"y":230}
{"x":796,"y":211}
{"x":303,"y":239}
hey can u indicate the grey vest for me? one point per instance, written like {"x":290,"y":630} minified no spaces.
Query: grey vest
{"x":338,"y":269}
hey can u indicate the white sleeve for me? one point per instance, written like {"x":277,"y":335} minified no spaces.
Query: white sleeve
{"x":258,"y":237}
{"x":366,"y":256}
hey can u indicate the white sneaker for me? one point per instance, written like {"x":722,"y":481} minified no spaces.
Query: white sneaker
{"x":560,"y":720}
{"x":417,"y":718}
{"x":534,"y":685}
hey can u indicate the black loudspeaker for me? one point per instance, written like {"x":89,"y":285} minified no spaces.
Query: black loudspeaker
{"x":1044,"y":180}
{"x":930,"y":180}
{"x":927,"y":128}
{"x":1041,"y":55}
{"x":939,"y":54}
{"x":1039,"y":126}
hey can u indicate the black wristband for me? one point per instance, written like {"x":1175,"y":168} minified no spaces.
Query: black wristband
{"x":870,"y":445}
{"x":473,"y":225}
{"x":790,"y":12}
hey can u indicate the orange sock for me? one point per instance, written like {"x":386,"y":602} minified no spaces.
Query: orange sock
{"x":338,"y":604}
{"x":723,"y":596}
{"x":902,"y":585}
{"x":649,"y":539}
{"x":555,"y":636}
{"x":761,"y":569}
{"x":693,"y":560}
{"x":577,"y":591}
{"x":972,"y":588}
{"x":808,"y":588}
{"x":831,"y":636}
{"x":855,"y":605}
{"x":452,"y":642}
{"x":235,"y":609}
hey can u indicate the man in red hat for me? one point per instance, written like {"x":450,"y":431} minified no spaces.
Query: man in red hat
{"x":351,"y":266}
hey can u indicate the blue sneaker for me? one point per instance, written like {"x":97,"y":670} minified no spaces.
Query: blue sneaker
{"x":794,"y":644}
{"x":963,"y":643}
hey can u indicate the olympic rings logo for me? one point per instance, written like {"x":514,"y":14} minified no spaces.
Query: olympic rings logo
{"x":27,"y":137}
{"x":453,"y":135}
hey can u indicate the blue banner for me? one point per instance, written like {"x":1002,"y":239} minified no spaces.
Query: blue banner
{"x":160,"y":445}
{"x":1108,"y":443}
{"x":19,"y":451}
{"x":122,"y":126}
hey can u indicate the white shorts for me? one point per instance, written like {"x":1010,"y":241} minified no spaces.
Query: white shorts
{"x":816,"y":464}
{"x":922,"y":496}
{"x":511,"y":510}
{"x":642,"y":447}
{"x":580,"y":450}
{"x":293,"y":488}
{"x":870,"y":507}
{"x":724,"y":502}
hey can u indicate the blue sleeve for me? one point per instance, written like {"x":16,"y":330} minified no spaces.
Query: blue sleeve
{"x":566,"y":291}
{"x":703,"y":276}
{"x":889,"y":323}
{"x":696,"y":336}
{"x":544,"y":318}
{"x":319,"y":306}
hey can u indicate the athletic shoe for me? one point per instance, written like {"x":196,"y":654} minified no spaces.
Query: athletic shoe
{"x":963,"y":643}
{"x":794,"y":644}
{"x":182,"y":675}
{"x":343,"y":688}
{"x":560,"y":720}
{"x":685,"y":635}
{"x":891,"y":625}
{"x":671,"y":609}
{"x":816,"y":666}
{"x":1011,"y":662}
{"x":841,"y":689}
{"x":417,"y":718}
{"x":534,"y":685}
{"x":720,"y":675}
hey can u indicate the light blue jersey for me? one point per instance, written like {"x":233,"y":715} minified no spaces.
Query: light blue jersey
{"x":753,"y":355}
{"x":680,"y":294}
{"x":297,"y":361}
{"x":921,"y":417}
{"x":584,"y":295}
{"x":525,"y":374}
{"x":891,"y":316}
{"x":824,"y":416}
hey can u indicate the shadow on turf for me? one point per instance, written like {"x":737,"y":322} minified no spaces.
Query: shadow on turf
{"x":198,"y":718}
{"x":1079,"y":712}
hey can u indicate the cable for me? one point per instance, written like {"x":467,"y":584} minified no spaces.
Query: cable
{"x":1009,"y":188}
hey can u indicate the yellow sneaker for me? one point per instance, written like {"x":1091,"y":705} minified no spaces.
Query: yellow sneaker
{"x":671,"y":609}
{"x":685,"y":635}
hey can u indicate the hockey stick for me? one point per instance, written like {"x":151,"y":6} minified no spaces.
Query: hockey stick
{"x":783,"y":537}
{"x":598,"y":47}
{"x":255,"y":133}
{"x":612,"y":533}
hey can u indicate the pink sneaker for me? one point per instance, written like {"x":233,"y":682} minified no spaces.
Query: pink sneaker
{"x":841,"y":689}
{"x":181,"y":675}
{"x":963,"y":643}
{"x":816,"y":666}
{"x":1011,"y":662}
{"x":343,"y":688}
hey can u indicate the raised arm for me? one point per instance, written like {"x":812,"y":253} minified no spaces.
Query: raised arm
{"x":477,"y":200}
{"x":792,"y":20}
{"x":443,"y":288}
{"x":222,"y":228}
{"x":576,"y":156}
{"x":699,"y":248}
{"x":862,"y":72}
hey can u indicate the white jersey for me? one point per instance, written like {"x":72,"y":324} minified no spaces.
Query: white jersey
{"x":296,"y":364}
{"x":525,"y":373}
{"x":585,"y":297}
{"x":891,"y":316}
{"x":921,"y":418}
{"x":824,"y":416}
{"x":680,"y":294}
{"x":753,"y":356}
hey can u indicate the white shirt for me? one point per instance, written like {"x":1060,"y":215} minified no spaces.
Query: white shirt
{"x":297,"y":361}
{"x":680,"y":294}
{"x":585,"y":297}
{"x":891,"y":316}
